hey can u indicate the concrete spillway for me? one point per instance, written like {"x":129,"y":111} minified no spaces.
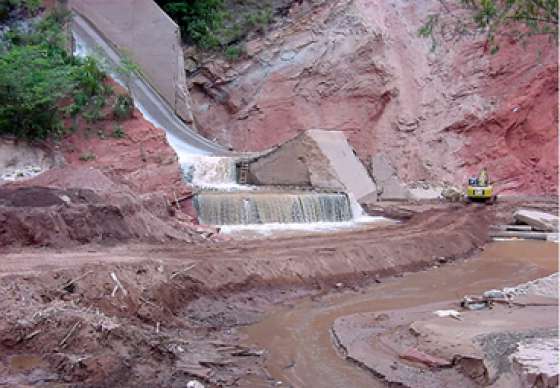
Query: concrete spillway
{"x":184,"y":139}
{"x":265,"y":208}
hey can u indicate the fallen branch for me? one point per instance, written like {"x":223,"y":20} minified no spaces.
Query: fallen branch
{"x":183,"y":271}
{"x":76,"y":279}
{"x":72,"y":330}
{"x":31,"y":335}
{"x":148,"y":302}
{"x":118,"y":285}
{"x":176,"y":201}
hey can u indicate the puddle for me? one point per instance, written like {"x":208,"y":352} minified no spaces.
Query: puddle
{"x":25,"y":362}
{"x":298,"y":340}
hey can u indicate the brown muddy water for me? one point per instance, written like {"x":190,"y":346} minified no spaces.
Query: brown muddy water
{"x":300,"y":350}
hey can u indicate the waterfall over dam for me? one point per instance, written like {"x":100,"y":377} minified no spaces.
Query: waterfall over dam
{"x":213,"y":169}
{"x":237,"y":208}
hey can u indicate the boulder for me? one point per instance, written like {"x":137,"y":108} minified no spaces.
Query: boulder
{"x":545,"y":222}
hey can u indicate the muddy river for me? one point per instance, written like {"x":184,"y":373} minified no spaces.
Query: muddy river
{"x":300,"y":351}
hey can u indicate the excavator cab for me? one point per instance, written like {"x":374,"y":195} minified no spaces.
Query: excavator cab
{"x":479,"y":189}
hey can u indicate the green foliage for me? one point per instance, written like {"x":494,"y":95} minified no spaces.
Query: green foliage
{"x":233,"y":53}
{"x":29,"y":6}
{"x":258,"y":19}
{"x":40,"y":82}
{"x":219,"y":25}
{"x":427,"y":30}
{"x":118,"y":132}
{"x":92,"y":112}
{"x":520,"y":18}
{"x":123,"y":107}
{"x":197,"y":19}
{"x":88,"y":156}
{"x":32,"y":81}
{"x":127,"y":69}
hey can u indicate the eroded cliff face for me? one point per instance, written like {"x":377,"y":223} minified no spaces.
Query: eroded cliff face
{"x":360,"y":67}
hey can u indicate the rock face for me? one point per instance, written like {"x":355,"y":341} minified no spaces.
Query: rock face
{"x":142,"y":30}
{"x":141,"y":158}
{"x":389,"y":186}
{"x":360,"y":67}
{"x":20,"y":160}
{"x":316,"y":158}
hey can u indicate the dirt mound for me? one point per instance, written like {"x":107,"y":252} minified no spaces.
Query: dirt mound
{"x":360,"y":67}
{"x":134,"y":153}
{"x":43,"y":216}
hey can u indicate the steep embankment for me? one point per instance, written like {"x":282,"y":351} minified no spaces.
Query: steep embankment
{"x":359,"y":66}
{"x":112,"y":181}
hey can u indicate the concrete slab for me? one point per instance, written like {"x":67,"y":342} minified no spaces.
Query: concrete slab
{"x":536,"y":362}
{"x":542,"y":221}
{"x":316,"y":158}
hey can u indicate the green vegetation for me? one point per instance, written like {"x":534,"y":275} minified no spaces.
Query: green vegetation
{"x":118,"y":132}
{"x":123,"y":107}
{"x":198,"y":19}
{"x":219,"y":25}
{"x":28,"y":6}
{"x":517,"y":18}
{"x":41,"y":83}
{"x":233,"y":53}
{"x":87,"y":157}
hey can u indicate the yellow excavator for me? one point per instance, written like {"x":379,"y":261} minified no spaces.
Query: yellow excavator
{"x":479,"y":189}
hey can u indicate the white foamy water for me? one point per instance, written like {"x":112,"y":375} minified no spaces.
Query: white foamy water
{"x":212,"y":172}
{"x":264,"y":230}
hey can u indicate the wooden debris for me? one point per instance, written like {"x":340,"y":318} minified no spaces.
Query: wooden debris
{"x":518,"y":234}
{"x":519,"y":228}
{"x":73,"y":281}
{"x":118,"y":285}
{"x":183,"y":271}
{"x":69,"y":334}
{"x":32,"y":334}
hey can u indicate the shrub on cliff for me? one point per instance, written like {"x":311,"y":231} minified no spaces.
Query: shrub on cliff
{"x":518,"y":18}
{"x":26,"y":6}
{"x":40,"y":81}
{"x":196,"y":18}
{"x":220,"y":25}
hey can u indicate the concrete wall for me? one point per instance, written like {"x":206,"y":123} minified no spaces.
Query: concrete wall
{"x":315,"y":158}
{"x":142,"y":30}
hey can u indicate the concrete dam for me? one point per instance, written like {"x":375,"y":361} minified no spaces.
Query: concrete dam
{"x":313,"y":178}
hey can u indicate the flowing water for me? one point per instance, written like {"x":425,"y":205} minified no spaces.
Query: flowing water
{"x":300,"y":351}
{"x":266,"y":208}
{"x":211,"y":172}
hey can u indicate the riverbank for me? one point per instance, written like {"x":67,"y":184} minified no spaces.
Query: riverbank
{"x":98,"y":314}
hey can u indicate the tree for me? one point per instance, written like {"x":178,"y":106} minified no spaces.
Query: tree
{"x":198,"y":19}
{"x":520,"y":18}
